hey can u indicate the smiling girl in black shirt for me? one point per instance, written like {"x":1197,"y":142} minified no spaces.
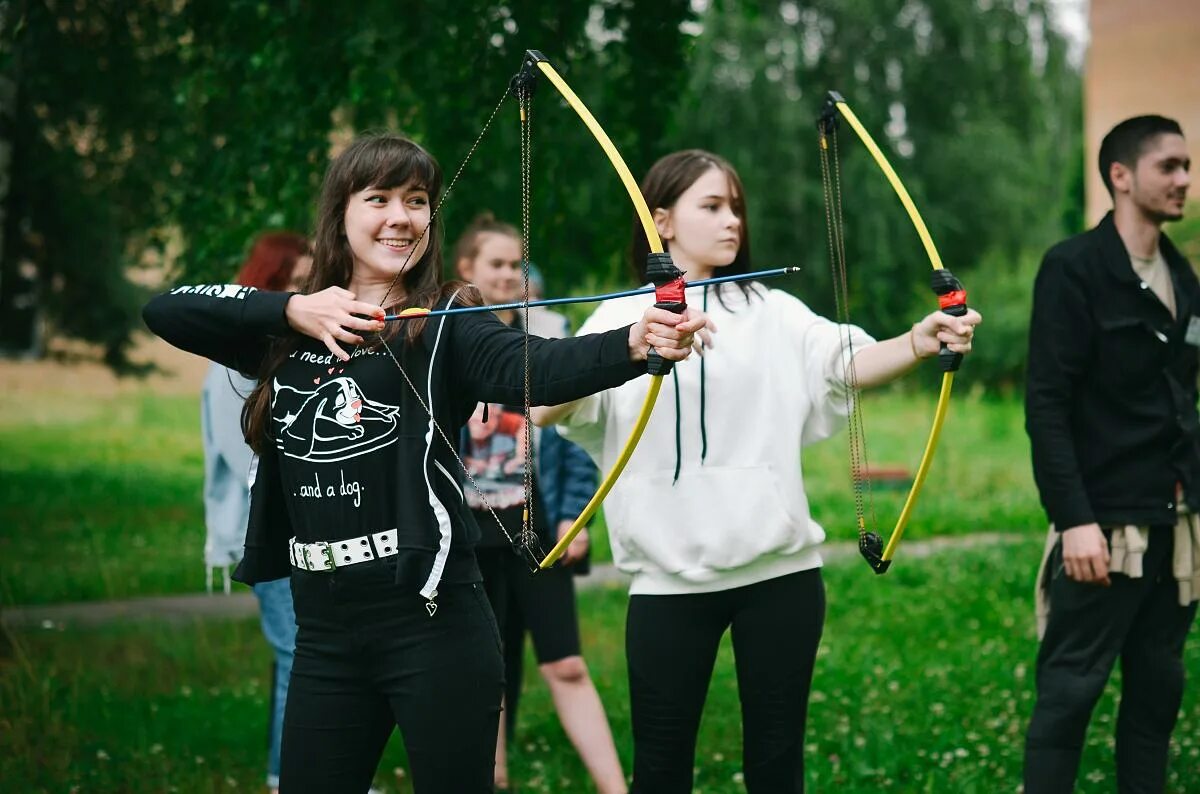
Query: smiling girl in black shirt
{"x":357,"y":494}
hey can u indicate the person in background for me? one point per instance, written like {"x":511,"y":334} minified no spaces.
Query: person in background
{"x":489,"y":255}
{"x":568,"y":479}
{"x":277,"y":261}
{"x":1110,"y":408}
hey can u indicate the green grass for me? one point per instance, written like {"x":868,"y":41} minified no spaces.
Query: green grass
{"x":924,"y":683}
{"x":980,"y":478}
{"x":100,"y":499}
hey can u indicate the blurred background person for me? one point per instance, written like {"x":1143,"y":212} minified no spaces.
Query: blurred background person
{"x":489,"y":256}
{"x":277,"y":261}
{"x":1110,"y":409}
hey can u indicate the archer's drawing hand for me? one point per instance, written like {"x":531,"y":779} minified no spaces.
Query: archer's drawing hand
{"x":1085,"y":554}
{"x":670,"y":334}
{"x":331,"y":315}
{"x":936,"y":327}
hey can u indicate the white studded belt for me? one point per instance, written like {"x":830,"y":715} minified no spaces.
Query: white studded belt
{"x":322,"y":556}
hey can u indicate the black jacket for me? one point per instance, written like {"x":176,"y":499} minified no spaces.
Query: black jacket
{"x":1110,"y":403}
{"x":477,"y":359}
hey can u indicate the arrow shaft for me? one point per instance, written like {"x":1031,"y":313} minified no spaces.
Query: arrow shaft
{"x":590,"y":298}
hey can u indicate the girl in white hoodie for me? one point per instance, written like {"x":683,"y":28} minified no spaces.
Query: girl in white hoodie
{"x":720,"y":465}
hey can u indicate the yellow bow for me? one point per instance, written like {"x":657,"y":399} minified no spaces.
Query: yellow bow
{"x":535,"y":60}
{"x":953,"y":301}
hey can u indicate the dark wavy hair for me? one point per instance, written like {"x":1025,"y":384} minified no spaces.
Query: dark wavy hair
{"x":374,"y":160}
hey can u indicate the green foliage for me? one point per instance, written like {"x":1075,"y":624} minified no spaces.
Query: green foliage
{"x":169,"y":131}
{"x":143,"y":125}
{"x":1002,"y":290}
{"x":1186,"y":233}
{"x":84,"y":197}
{"x":980,"y":119}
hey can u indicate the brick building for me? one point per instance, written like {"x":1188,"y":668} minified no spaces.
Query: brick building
{"x":1144,"y":57}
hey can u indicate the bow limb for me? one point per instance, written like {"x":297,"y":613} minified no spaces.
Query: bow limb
{"x":535,"y":60}
{"x":952,"y":299}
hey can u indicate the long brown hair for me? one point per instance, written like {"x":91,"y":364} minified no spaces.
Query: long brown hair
{"x":662,"y":186}
{"x":374,"y":160}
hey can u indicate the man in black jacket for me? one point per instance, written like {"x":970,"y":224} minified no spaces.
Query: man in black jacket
{"x":1111,"y":415}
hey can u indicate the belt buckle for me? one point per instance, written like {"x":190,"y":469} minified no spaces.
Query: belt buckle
{"x":325,"y":551}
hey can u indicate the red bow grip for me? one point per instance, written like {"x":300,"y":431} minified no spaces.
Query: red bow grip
{"x":952,"y":298}
{"x":668,"y":294}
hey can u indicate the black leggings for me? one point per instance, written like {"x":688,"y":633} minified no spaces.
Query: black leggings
{"x":671,"y":644}
{"x":369,"y":658}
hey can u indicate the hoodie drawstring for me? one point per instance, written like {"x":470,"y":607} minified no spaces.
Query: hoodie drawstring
{"x":678,"y":439}
{"x":703,"y":412}
{"x":703,"y":422}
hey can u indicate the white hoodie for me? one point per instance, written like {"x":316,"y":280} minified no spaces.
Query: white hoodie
{"x":773,"y":382}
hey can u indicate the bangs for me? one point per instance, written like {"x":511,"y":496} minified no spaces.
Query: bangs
{"x":738,"y":197}
{"x":388,"y":162}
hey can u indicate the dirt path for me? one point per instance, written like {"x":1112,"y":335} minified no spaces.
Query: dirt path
{"x":182,"y":608}
{"x":75,"y":371}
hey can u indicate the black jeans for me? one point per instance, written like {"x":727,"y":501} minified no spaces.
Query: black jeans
{"x":671,"y":644}
{"x":1140,"y":621}
{"x":369,"y":657}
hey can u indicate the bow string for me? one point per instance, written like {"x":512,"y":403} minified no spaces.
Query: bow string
{"x":952,"y":299}
{"x":668,"y":287}
{"x":667,"y":279}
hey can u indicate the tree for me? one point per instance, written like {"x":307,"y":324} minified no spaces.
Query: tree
{"x":81,"y":203}
{"x":172,"y":131}
{"x":974,"y":104}
{"x":141,"y":126}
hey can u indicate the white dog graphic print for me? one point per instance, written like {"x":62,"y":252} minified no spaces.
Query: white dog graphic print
{"x":333,"y":422}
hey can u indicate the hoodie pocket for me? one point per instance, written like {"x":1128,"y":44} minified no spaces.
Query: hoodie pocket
{"x":714,"y":519}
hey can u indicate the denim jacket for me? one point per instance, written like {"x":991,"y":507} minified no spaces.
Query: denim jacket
{"x":227,"y":461}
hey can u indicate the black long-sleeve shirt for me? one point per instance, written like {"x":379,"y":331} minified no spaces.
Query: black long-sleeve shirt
{"x":354,"y":451}
{"x":1110,"y":403}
